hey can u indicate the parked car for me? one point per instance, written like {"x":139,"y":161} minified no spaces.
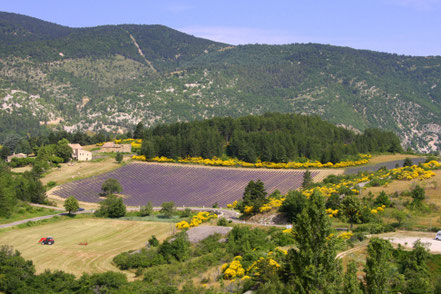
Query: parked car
{"x":438,"y":236}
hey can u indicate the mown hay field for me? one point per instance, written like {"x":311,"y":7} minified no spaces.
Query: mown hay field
{"x":188,"y":185}
{"x":106,"y":238}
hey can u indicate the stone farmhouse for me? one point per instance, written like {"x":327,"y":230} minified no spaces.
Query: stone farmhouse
{"x":18,"y":155}
{"x":79,"y":153}
{"x":112,"y":147}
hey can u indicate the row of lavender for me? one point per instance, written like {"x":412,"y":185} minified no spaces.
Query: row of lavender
{"x":184,"y":185}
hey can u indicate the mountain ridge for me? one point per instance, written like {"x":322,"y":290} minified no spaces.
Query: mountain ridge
{"x":96,"y":78}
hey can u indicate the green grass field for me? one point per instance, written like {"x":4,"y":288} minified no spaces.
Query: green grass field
{"x":25,"y":212}
{"x":105,"y":237}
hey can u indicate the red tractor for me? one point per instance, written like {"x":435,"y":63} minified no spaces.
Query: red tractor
{"x":47,"y":241}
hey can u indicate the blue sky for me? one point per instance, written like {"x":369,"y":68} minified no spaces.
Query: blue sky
{"x":411,"y":27}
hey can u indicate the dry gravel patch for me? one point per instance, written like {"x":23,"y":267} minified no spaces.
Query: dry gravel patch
{"x":407,"y":241}
{"x":197,"y":234}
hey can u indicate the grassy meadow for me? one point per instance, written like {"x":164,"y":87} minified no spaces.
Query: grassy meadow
{"x":25,"y":212}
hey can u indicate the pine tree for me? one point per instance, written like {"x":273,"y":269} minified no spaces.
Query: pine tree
{"x":312,"y":267}
{"x":146,"y":210}
{"x":407,"y":162}
{"x":416,"y":271}
{"x":139,"y":131}
{"x":254,"y":195}
{"x":351,"y":208}
{"x":7,"y":193}
{"x":307,"y":179}
{"x":351,"y":283}
{"x":377,"y":266}
{"x":148,"y":149}
{"x":118,"y":157}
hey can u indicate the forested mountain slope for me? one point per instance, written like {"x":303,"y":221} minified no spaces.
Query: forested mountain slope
{"x":111,"y":77}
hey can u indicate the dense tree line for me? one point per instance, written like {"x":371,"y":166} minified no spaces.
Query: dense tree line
{"x":13,"y":188}
{"x":270,"y":137}
{"x":32,"y":143}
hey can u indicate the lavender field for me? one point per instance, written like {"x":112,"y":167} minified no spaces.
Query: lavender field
{"x":183,"y":184}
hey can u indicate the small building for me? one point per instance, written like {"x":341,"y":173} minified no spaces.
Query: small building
{"x":79,"y":153}
{"x":112,"y":147}
{"x":18,"y":155}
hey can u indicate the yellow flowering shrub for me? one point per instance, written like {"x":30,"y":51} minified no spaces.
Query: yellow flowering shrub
{"x":232,"y":205}
{"x":244,"y":278}
{"x":403,"y":173}
{"x":287,"y":231}
{"x":162,"y":159}
{"x":234,"y":269}
{"x":332,"y":212}
{"x":330,"y":236}
{"x":283,"y":251}
{"x":378,"y":209}
{"x":139,"y":157}
{"x":262,"y":262}
{"x":182,"y":225}
{"x":248,"y":209}
{"x":135,"y":146}
{"x":345,"y":235}
{"x":196,"y":220}
{"x":272,"y":203}
{"x":215,"y":161}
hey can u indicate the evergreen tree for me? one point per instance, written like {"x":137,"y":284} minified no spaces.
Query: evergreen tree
{"x":6,"y":198}
{"x":4,"y":152}
{"x":312,"y":267}
{"x":418,"y":194}
{"x":146,"y":210}
{"x":351,"y":283}
{"x":139,"y":131}
{"x":351,"y":208}
{"x":416,"y":271}
{"x":307,"y":179}
{"x":254,"y":195}
{"x":7,"y":191}
{"x":407,"y":162}
{"x":148,"y":149}
{"x":29,"y":188}
{"x":377,"y":266}
{"x":293,"y":205}
{"x":118,"y":157}
{"x":153,"y":241}
{"x":382,"y":199}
